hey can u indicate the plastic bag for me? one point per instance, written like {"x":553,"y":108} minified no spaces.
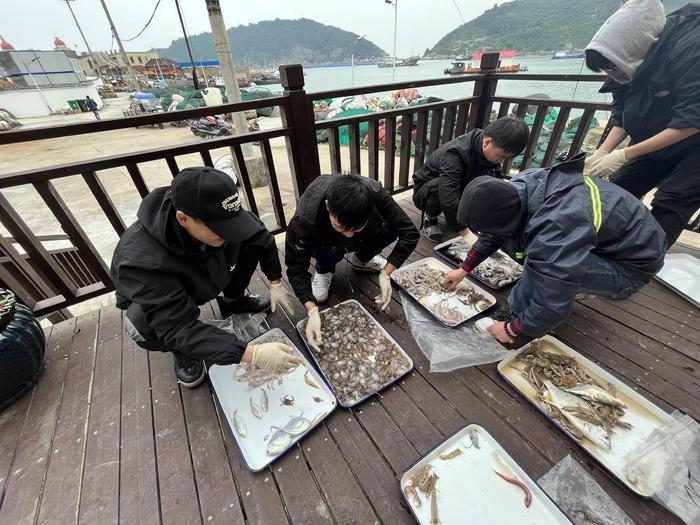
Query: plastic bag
{"x":245,"y":327}
{"x":580,"y":497}
{"x":667,"y":464}
{"x":450,"y":348}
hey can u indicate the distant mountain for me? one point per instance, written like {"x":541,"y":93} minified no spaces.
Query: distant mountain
{"x":275,"y":42}
{"x":530,"y":26}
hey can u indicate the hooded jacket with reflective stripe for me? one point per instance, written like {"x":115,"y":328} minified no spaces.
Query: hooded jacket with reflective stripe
{"x":566,"y":218}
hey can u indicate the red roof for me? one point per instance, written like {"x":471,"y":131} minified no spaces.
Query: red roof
{"x":5,"y":45}
{"x":503,"y":54}
{"x":57,"y":42}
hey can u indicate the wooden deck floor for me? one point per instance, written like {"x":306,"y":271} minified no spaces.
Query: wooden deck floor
{"x":107,"y":436}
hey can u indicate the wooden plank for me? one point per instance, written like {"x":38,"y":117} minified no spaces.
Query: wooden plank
{"x":581,"y":132}
{"x":421,"y":129}
{"x":354,"y":146}
{"x":61,"y":493}
{"x":535,"y":131}
{"x":389,"y":152}
{"x":206,"y":157}
{"x":172,"y":165}
{"x":99,"y":501}
{"x":435,"y":121}
{"x":334,"y":150}
{"x":105,"y":202}
{"x":23,"y":486}
{"x":555,"y":137}
{"x":462,"y":118}
{"x":503,"y":108}
{"x":274,"y":186}
{"x":177,"y":488}
{"x":137,"y":178}
{"x":245,"y":179}
{"x":405,"y":154}
{"x":448,"y":125}
{"x":373,"y":148}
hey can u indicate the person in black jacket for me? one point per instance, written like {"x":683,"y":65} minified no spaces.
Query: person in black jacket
{"x":439,"y":183}
{"x":653,"y":65}
{"x":191,"y":241}
{"x":574,"y":234}
{"x":92,"y":106}
{"x":337,"y":215}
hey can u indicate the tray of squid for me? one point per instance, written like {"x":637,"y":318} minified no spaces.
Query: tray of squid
{"x":422,"y":280}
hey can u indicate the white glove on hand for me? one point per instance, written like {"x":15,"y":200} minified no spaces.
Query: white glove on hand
{"x":278,"y":358}
{"x":313,"y":329}
{"x":279,"y":295}
{"x":609,"y":164}
{"x":384,"y":297}
{"x":593,"y":160}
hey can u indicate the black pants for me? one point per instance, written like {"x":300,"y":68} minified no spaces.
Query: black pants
{"x":427,"y":199}
{"x":143,"y":335}
{"x":678,"y":195}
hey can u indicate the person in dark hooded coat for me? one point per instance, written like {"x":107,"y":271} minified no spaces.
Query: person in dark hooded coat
{"x":653,"y":63}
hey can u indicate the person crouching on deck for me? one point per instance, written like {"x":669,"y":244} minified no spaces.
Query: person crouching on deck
{"x":339,"y":214}
{"x":439,"y":183}
{"x":574,"y":234}
{"x":191,"y":241}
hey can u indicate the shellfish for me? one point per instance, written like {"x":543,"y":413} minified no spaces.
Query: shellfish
{"x":497,"y":271}
{"x":287,"y":400}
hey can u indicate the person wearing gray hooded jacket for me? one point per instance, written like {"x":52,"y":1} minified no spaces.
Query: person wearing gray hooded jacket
{"x":574,"y":234}
{"x":654,"y":77}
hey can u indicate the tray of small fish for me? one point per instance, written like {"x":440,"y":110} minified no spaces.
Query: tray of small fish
{"x":596,"y":410}
{"x":358,"y":358}
{"x":498,"y":271}
{"x":422,"y":280}
{"x":470,"y":478}
{"x":268,"y":413}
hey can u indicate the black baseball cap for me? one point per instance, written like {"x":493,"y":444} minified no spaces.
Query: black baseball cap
{"x":211,"y":196}
{"x":490,"y":206}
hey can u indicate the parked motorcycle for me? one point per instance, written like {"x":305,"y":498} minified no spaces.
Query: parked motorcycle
{"x":210,"y":127}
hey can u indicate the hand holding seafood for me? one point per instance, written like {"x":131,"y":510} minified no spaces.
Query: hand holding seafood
{"x":497,"y":271}
{"x":355,"y":355}
{"x":424,"y":281}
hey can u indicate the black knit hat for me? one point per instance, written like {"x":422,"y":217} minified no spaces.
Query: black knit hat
{"x":491,"y":206}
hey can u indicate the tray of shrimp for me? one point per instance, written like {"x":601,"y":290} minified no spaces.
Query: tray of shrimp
{"x":268,"y":413}
{"x":470,"y":478}
{"x":423,"y":279}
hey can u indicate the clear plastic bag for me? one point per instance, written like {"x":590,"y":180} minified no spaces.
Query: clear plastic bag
{"x":580,"y":497}
{"x":448,"y":349}
{"x":245,"y":327}
{"x":667,"y":464}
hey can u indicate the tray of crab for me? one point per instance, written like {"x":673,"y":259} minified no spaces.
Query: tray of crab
{"x":470,"y":478}
{"x":422,"y":280}
{"x":498,"y":271}
{"x":357,"y":357}
{"x":268,"y":413}
{"x":596,"y":410}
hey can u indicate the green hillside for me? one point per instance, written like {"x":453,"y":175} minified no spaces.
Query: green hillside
{"x":530,"y":26}
{"x":274,"y":42}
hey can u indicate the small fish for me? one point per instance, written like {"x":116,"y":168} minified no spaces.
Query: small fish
{"x":263,"y":400}
{"x":595,"y":393}
{"x":449,"y":455}
{"x":309,"y":381}
{"x":297,"y":425}
{"x":255,"y":409}
{"x":474,"y":437}
{"x":318,"y":399}
{"x":517,"y":482}
{"x":287,"y":400}
{"x":279,"y":441}
{"x":412,"y":495}
{"x":434,"y":518}
{"x":239,"y":424}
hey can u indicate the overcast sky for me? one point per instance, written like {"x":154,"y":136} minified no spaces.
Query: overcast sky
{"x":32,"y":24}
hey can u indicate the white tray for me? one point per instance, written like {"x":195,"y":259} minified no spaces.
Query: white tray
{"x":681,"y":273}
{"x":644,"y":416}
{"x":234,"y":395}
{"x":469,"y":311}
{"x":469,"y":491}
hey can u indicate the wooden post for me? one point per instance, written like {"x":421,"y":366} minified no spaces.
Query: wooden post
{"x":299,"y":115}
{"x":485,"y":89}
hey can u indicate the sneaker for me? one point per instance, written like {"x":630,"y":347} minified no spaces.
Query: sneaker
{"x":431,"y":229}
{"x":376,"y":264}
{"x":320,"y":285}
{"x":584,"y":296}
{"x":246,"y":304}
{"x":190,"y":372}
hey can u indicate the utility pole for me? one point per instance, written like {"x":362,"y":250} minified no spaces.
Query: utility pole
{"x":77,"y":24}
{"x":395,"y":5}
{"x":223,"y":51}
{"x":187,"y":43}
{"x":134,"y":81}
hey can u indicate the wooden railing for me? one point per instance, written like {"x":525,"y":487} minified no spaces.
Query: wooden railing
{"x":49,"y":281}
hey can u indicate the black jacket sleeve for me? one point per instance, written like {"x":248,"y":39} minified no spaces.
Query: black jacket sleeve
{"x":395,"y":217}
{"x":683,"y":60}
{"x":298,"y":250}
{"x":264,"y":242}
{"x":174,"y":317}
{"x":449,"y":187}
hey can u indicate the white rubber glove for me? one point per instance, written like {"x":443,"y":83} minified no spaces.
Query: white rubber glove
{"x":609,"y":164}
{"x":593,"y":160}
{"x":384,"y":297}
{"x":278,"y":358}
{"x":313,"y":329}
{"x":279,"y":295}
